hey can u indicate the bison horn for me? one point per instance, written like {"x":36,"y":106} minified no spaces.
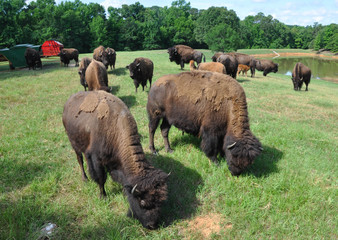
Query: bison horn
{"x":132,"y":191}
{"x":169,"y":174}
{"x":138,"y":64}
{"x":261,"y":148}
{"x":231,"y":145}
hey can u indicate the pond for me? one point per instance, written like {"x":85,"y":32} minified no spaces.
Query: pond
{"x":325,"y":69}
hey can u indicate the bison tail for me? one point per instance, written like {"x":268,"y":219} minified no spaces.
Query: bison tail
{"x":203,"y":57}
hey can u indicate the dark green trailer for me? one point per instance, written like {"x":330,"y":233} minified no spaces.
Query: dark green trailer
{"x":16,"y":55}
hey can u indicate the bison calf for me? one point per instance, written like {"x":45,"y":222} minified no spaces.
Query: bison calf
{"x":100,"y":126}
{"x":140,"y":71}
{"x":96,"y":76}
{"x":209,"y":105}
{"x":244,"y":69}
{"x":300,"y":74}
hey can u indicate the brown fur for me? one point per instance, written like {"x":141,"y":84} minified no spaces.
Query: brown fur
{"x":97,"y":76}
{"x":182,"y":54}
{"x":192,"y":65}
{"x":100,"y":54}
{"x":206,"y":104}
{"x":33,"y":58}
{"x":111,"y":57}
{"x":216,"y":55}
{"x":68,"y":54}
{"x":230,"y":63}
{"x":300,"y":74}
{"x":82,"y":71}
{"x":266,"y":66}
{"x":100,"y":126}
{"x":212,"y":67}
{"x":141,"y":70}
{"x":244,"y":69}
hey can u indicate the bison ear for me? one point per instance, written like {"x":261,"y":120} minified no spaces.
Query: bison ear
{"x":127,"y":66}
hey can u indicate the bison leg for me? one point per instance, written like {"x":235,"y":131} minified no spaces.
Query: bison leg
{"x":80,"y":161}
{"x":182,"y":65}
{"x":153,"y":124}
{"x":165,"y":127}
{"x":209,"y":144}
{"x":97,"y":172}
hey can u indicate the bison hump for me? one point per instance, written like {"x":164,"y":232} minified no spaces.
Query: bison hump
{"x":95,"y":102}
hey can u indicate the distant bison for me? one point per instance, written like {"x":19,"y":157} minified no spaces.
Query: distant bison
{"x":247,"y":60}
{"x":243,"y":68}
{"x":266,"y":66}
{"x":230,"y":63}
{"x":183,"y":54}
{"x":68,"y":54}
{"x":100,"y":54}
{"x":82,"y":71}
{"x":216,"y":55}
{"x":33,"y":58}
{"x":208,"y":66}
{"x":96,"y":76}
{"x":300,"y":74}
{"x":209,"y":105}
{"x":111,"y":57}
{"x":100,"y":126}
{"x":140,"y":71}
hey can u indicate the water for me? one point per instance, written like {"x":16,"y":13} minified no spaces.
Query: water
{"x":325,"y":69}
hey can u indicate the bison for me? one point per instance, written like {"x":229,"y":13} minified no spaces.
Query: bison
{"x":300,"y":74}
{"x":266,"y":66}
{"x":68,"y":54}
{"x":247,"y":60}
{"x":209,"y":105}
{"x":96,"y":76}
{"x":230,"y":63}
{"x":100,"y":126}
{"x":216,"y":55}
{"x":100,"y":54}
{"x":111,"y":57}
{"x":208,"y":66}
{"x":183,"y":54}
{"x":140,"y":71}
{"x":82,"y":71}
{"x":243,"y":68}
{"x":33,"y":58}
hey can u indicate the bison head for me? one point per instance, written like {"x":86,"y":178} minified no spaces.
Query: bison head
{"x":134,"y":69}
{"x":297,"y":83}
{"x":173,"y":54}
{"x":240,"y":153}
{"x":103,"y":57}
{"x":145,"y":195}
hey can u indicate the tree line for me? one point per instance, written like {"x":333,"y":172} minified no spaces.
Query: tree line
{"x":135,"y":27}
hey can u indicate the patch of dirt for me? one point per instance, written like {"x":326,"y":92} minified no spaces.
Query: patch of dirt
{"x":205,"y":226}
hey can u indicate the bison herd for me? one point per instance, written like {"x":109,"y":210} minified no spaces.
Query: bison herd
{"x":206,"y":102}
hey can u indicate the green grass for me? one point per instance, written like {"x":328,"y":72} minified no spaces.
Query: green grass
{"x":290,"y":192}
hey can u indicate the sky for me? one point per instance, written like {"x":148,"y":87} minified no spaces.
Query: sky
{"x":290,"y":12}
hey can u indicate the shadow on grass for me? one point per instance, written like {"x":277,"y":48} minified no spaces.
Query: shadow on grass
{"x":183,"y":184}
{"x":115,"y":89}
{"x":129,"y":100}
{"x":118,"y":71}
{"x":242,"y":80}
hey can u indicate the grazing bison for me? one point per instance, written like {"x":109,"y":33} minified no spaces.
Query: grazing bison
{"x":140,"y":71}
{"x":97,"y":76}
{"x":68,"y":54}
{"x":230,"y":63}
{"x":300,"y":74}
{"x":208,"y":66}
{"x":111,"y":57}
{"x":247,"y":60}
{"x":82,"y":71}
{"x":183,"y":54}
{"x":209,"y":105}
{"x":266,"y":66}
{"x":100,"y":54}
{"x":33,"y":58}
{"x":100,"y":126}
{"x":216,"y":55}
{"x":243,"y":68}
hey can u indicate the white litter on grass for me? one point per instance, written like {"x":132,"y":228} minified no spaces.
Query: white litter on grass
{"x":49,"y":228}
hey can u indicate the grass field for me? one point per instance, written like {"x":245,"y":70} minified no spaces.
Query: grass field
{"x":290,"y":192}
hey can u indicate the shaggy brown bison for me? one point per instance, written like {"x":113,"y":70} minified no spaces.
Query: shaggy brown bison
{"x":230,"y":63}
{"x":96,"y":76}
{"x":208,"y":66}
{"x":247,"y":60}
{"x":100,"y":54}
{"x":183,"y":54}
{"x":82,"y":71}
{"x":111,"y":57}
{"x":140,"y":71}
{"x":266,"y":66}
{"x":33,"y":58}
{"x":209,"y":105}
{"x":243,"y":68}
{"x":300,"y":74}
{"x":68,"y":54}
{"x":216,"y":55}
{"x":100,"y":126}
